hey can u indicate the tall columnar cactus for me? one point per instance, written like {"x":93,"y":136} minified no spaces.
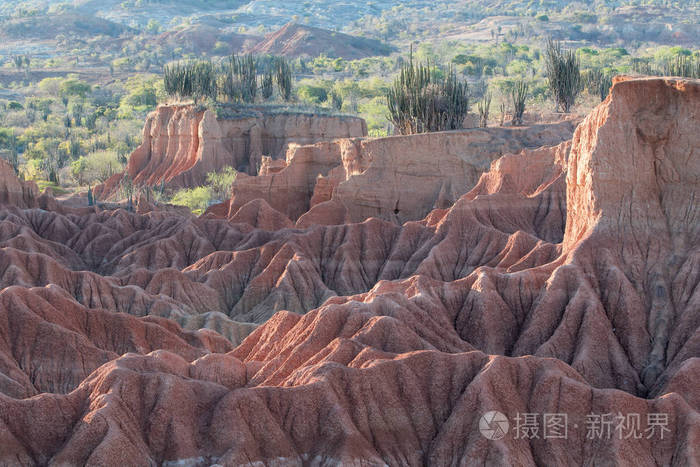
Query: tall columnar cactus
{"x":238,"y":79}
{"x":563,"y":75}
{"x":484,"y":107}
{"x":597,"y":82}
{"x":234,"y":80}
{"x":267,"y":84}
{"x":283,"y":71}
{"x":519,"y":97}
{"x":190,"y":80}
{"x":422,"y":99}
{"x":683,"y":65}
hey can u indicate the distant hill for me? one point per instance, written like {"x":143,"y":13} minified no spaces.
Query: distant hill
{"x":295,"y":40}
{"x":200,"y":38}
{"x":48,"y":27}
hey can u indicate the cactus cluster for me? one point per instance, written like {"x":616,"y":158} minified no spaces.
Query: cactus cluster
{"x":283,"y":72}
{"x":682,"y":65}
{"x":597,"y":82}
{"x":424,"y":99}
{"x":484,"y":107}
{"x":518,"y":95}
{"x":563,"y":75}
{"x":196,"y":80}
{"x":236,"y":79}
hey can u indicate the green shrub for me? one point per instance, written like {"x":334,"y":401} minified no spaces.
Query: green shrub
{"x":197,"y":199}
{"x":220,"y":183}
{"x":74,"y":87}
{"x":96,"y":167}
{"x":312,"y":94}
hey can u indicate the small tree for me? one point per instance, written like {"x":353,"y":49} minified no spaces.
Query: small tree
{"x":519,"y":96}
{"x":78,"y":168}
{"x":563,"y":75}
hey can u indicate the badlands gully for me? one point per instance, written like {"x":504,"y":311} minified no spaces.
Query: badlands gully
{"x":342,"y":310}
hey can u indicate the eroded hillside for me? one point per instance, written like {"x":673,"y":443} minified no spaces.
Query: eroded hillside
{"x":565,"y":280}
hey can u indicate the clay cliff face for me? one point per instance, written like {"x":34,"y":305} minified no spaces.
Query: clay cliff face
{"x":181,"y":144}
{"x":15,"y":192}
{"x":554,"y":285}
{"x":397,"y":179}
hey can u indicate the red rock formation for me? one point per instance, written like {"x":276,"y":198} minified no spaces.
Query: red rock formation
{"x":14,"y":192}
{"x":259,"y":214}
{"x":181,"y":144}
{"x":397,"y":179}
{"x":553,"y":286}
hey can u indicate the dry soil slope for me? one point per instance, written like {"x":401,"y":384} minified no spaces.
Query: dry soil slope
{"x":295,"y":40}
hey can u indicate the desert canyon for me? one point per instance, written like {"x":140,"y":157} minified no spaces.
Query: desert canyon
{"x":363,"y":301}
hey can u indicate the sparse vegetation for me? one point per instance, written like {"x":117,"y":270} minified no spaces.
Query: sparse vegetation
{"x":424,"y":98}
{"x":197,"y":199}
{"x":220,"y":183}
{"x":217,"y":189}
